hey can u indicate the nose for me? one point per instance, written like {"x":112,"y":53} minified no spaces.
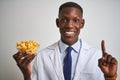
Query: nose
{"x":69,"y":24}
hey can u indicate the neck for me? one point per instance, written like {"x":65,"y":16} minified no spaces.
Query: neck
{"x":70,"y":42}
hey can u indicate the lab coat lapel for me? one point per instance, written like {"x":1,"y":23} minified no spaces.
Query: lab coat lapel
{"x":81,"y":60}
{"x":56,"y":61}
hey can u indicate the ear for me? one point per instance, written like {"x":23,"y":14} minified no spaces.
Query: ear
{"x":57,"y":22}
{"x":82,"y":23}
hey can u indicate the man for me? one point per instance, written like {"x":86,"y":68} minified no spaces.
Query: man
{"x":83,"y":60}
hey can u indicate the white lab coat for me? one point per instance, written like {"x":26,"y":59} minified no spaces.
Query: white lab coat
{"x":48,"y":65}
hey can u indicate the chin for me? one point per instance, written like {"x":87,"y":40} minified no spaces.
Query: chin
{"x":69,"y":41}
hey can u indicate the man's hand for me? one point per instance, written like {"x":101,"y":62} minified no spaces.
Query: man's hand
{"x":23,"y":61}
{"x":107,"y":63}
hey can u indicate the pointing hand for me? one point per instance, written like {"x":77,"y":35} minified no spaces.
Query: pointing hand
{"x":108,"y":64}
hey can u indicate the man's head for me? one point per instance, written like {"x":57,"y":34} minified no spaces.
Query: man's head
{"x":70,"y":4}
{"x":70,"y":22}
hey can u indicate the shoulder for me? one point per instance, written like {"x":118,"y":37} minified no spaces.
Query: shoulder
{"x":48,"y":49}
{"x":91,"y":50}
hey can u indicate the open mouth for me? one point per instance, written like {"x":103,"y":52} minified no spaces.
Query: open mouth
{"x":69,"y":33}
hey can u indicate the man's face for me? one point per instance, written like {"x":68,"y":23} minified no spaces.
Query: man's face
{"x":69,"y":23}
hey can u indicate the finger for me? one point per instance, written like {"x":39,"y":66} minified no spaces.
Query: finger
{"x":101,"y":62}
{"x":28,"y":59}
{"x":109,"y":58}
{"x":103,"y":48}
{"x":21,"y":58}
{"x":16,"y":56}
{"x":113,"y":61}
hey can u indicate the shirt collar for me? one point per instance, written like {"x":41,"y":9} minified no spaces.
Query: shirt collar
{"x":63,"y":46}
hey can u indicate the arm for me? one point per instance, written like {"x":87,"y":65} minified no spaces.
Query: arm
{"x":108,"y":64}
{"x":23,"y":62}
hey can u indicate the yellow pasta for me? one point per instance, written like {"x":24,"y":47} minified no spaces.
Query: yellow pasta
{"x":28,"y":46}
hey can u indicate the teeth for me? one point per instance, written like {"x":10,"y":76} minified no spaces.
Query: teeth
{"x":69,"y":32}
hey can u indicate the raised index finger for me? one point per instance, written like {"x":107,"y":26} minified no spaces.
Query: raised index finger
{"x":103,"y":47}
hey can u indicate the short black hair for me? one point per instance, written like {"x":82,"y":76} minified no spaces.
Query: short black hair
{"x":70,"y":4}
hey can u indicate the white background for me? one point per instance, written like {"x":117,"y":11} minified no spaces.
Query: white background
{"x":35,"y":19}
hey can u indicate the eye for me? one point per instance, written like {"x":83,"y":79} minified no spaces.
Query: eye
{"x":76,"y":21}
{"x":63,"y":20}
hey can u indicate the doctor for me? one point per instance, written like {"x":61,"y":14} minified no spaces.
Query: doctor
{"x":87,"y":62}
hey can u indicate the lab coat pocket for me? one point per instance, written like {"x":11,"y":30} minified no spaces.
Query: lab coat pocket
{"x":85,"y":76}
